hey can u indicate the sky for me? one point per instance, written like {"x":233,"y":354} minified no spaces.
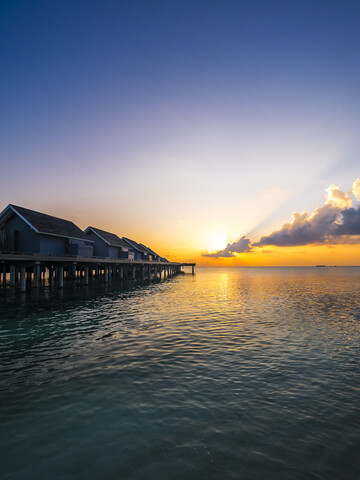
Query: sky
{"x":200,"y":128}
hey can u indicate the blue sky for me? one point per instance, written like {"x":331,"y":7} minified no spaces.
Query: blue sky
{"x":212,"y":116}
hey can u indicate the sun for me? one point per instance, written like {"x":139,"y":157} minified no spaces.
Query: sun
{"x":216,"y":240}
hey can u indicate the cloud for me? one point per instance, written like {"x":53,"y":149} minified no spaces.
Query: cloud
{"x":338,"y":198}
{"x":335,"y":218}
{"x":356,"y":189}
{"x":240,"y":246}
{"x":304,"y":228}
{"x":337,"y":221}
{"x":350,"y":222}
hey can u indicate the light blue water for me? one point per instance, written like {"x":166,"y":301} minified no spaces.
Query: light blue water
{"x":230,"y":374}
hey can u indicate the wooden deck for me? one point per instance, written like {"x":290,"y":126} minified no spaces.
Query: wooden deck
{"x":29,"y":269}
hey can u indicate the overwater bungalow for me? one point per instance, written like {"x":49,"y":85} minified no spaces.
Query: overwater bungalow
{"x":108,"y":244}
{"x":141,"y":253}
{"x":24,"y":230}
{"x":154,"y":256}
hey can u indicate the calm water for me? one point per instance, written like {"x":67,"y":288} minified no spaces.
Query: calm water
{"x":230,"y":374}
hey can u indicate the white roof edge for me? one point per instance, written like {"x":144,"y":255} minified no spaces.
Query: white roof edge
{"x":66,"y":236}
{"x":131,"y":245}
{"x":147,"y":249}
{"x":98,"y":234}
{"x":22,"y":218}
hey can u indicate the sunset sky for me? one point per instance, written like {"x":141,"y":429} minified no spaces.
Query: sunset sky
{"x":188,"y":125}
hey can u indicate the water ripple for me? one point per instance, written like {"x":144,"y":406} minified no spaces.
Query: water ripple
{"x":233,"y":373}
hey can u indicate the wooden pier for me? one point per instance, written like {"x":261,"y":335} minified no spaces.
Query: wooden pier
{"x":23,"y":270}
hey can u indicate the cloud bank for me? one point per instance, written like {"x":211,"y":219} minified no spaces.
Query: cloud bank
{"x":240,"y":246}
{"x":337,"y":221}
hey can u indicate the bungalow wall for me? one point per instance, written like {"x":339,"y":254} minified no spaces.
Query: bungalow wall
{"x":50,"y":245}
{"x":26,"y":239}
{"x":100,"y":248}
{"x":138,"y":256}
{"x":80,"y":248}
{"x":114,"y":252}
{"x":128,"y":255}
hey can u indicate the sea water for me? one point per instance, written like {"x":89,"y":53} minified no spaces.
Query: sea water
{"x":233,"y":373}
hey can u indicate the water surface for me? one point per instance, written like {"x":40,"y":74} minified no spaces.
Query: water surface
{"x":234,"y":373}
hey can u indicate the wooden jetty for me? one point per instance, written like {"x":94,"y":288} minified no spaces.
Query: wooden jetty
{"x":25,"y":270}
{"x":34,"y":245}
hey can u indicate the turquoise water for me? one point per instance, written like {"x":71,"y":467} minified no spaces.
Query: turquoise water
{"x":229,"y":374}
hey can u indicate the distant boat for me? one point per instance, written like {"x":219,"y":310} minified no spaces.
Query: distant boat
{"x":321,"y":266}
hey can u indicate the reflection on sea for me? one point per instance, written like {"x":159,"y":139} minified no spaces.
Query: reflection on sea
{"x":233,"y":373}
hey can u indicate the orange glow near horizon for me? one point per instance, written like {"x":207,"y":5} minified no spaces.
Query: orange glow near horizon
{"x":308,"y":255}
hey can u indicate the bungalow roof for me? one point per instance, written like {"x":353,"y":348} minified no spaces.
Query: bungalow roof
{"x":110,"y":238}
{"x":136,"y":246}
{"x":150,"y":250}
{"x":43,"y":223}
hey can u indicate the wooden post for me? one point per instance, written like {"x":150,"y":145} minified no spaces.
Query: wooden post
{"x":134,"y":272}
{"x":4,"y":275}
{"x":37,"y":274}
{"x":60,"y":276}
{"x":22,"y":279}
{"x":106,"y":274}
{"x":122,"y":272}
{"x":12,"y":275}
{"x":193,"y":269}
{"x":86,"y":280}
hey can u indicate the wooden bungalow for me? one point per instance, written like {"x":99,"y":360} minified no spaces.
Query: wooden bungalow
{"x":154,"y":256}
{"x":108,"y":244}
{"x":141,"y":253}
{"x":28,"y":231}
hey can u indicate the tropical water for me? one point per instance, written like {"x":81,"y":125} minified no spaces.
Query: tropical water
{"x":234,"y":373}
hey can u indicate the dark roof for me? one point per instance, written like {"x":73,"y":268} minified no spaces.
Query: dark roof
{"x":150,"y":251}
{"x":48,"y":224}
{"x":111,"y":238}
{"x":136,"y":245}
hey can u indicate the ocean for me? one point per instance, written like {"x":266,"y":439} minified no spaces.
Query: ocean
{"x":233,"y":373}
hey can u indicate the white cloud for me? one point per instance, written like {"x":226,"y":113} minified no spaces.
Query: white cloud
{"x":356,"y":189}
{"x":337,"y":197}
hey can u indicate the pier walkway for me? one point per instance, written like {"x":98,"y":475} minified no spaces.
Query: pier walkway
{"x":29,"y":269}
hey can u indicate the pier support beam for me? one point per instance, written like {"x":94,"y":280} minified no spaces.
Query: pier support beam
{"x":193,"y":270}
{"x":12,"y":275}
{"x":134,"y":272}
{"x":106,"y":274}
{"x":73,"y":271}
{"x":61,"y":276}
{"x":22,"y":279}
{"x":86,"y":278}
{"x":37,"y":274}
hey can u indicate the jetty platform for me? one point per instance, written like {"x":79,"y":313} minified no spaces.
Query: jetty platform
{"x":26,"y":270}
